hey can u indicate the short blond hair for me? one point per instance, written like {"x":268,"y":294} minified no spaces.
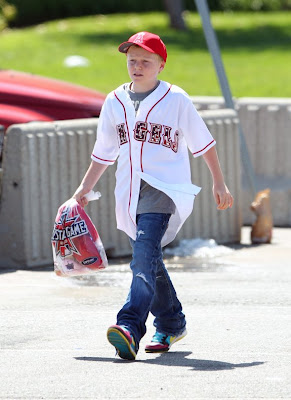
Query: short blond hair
{"x":135,"y":45}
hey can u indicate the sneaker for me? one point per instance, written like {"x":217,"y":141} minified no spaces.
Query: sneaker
{"x":162,"y":343}
{"x":120,"y":337}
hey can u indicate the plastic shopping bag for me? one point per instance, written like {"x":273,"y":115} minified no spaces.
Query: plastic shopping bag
{"x":76,"y":244}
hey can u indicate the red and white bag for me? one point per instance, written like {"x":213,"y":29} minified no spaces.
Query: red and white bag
{"x":76,"y":244}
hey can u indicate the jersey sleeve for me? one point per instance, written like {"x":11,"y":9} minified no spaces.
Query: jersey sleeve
{"x":195,"y":131}
{"x":106,"y":148}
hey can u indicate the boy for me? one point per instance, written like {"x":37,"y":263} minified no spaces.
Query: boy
{"x":149,"y":125}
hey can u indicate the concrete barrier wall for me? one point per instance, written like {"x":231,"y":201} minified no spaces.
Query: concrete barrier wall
{"x":208,"y":102}
{"x":44,"y":163}
{"x":267,"y":127}
{"x":266,"y":124}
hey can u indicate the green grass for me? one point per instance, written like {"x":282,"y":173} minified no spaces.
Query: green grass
{"x":256,"y":51}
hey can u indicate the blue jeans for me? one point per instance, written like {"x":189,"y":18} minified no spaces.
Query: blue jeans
{"x":151,"y":288}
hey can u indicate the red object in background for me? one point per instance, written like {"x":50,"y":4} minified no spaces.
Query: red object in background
{"x":26,"y":97}
{"x":9,"y":114}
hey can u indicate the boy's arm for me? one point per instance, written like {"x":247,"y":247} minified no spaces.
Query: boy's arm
{"x":90,"y":179}
{"x":221,"y":193}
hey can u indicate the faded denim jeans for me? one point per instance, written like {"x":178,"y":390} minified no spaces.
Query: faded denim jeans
{"x":151,"y":288}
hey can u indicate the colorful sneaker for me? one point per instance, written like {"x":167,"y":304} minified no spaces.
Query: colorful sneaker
{"x":162,"y":343}
{"x":120,"y":337}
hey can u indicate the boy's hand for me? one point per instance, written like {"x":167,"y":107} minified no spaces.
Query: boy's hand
{"x":222,"y":197}
{"x":90,"y":179}
{"x":79,"y":196}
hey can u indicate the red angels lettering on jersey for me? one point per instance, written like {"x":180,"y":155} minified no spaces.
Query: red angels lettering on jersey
{"x":167,"y":141}
{"x":140,"y":131}
{"x":154,"y":134}
{"x":121,"y":133}
{"x":152,"y":145}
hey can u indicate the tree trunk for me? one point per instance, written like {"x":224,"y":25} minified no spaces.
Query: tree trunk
{"x":175,"y":9}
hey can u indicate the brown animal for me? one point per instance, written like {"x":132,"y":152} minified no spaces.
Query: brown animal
{"x":262,"y":227}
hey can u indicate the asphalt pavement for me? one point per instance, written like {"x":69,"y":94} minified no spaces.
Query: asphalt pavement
{"x":53,"y":331}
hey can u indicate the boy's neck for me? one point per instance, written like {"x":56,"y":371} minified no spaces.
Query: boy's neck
{"x":134,"y":87}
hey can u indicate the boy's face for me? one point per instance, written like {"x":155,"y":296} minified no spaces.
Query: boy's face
{"x":143,"y":67}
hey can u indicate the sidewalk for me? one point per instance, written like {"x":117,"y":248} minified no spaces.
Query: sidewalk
{"x":53,"y":331}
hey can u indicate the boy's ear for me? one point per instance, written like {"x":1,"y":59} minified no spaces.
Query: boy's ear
{"x":162,"y":66}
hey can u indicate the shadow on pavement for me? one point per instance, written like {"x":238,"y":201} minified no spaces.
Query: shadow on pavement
{"x":178,"y":359}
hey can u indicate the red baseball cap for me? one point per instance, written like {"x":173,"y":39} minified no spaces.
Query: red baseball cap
{"x":148,"y":41}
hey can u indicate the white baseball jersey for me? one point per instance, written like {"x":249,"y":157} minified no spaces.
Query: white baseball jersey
{"x":151,"y":145}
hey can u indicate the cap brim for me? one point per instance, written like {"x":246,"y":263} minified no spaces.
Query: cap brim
{"x":126,"y":45}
